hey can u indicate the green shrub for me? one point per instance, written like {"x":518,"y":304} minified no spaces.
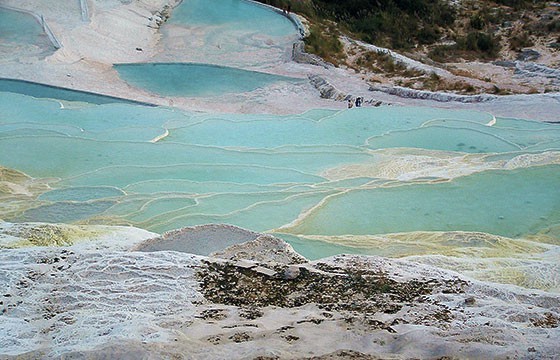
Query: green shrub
{"x":476,"y":22}
{"x":440,"y":53}
{"x":553,"y":26}
{"x":428,"y":35}
{"x":480,"y":42}
{"x":324,"y":42}
{"x":397,"y":23}
{"x":521,"y":4}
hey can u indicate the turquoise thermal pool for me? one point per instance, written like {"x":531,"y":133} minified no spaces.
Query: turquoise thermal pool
{"x":233,"y":16}
{"x":231,"y":39}
{"x":192,"y":80}
{"x":233,"y":33}
{"x":22,"y":33}
{"x":385,"y":181}
{"x":460,"y":190}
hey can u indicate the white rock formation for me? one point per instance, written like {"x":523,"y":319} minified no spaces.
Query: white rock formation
{"x":78,"y":303}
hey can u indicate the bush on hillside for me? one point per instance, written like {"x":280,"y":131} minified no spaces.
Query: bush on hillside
{"x":324,"y":42}
{"x":395,"y":23}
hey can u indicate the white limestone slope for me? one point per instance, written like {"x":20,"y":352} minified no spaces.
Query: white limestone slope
{"x":78,"y":303}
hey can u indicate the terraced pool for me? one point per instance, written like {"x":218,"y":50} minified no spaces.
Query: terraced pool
{"x":21,"y":33}
{"x":196,"y":80}
{"x":365,"y":180}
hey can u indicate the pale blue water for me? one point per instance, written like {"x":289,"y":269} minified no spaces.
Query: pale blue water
{"x":52,"y":92}
{"x":81,"y":194}
{"x":192,"y":80}
{"x":509,"y":203}
{"x":263,"y":172}
{"x":223,"y":40}
{"x":233,"y":33}
{"x":22,"y":32}
{"x":381,"y":181}
{"x":232,"y":16}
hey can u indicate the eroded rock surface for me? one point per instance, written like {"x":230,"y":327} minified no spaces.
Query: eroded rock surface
{"x":78,"y":303}
{"x":94,"y":237}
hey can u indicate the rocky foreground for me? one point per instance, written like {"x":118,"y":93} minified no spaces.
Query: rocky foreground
{"x":253,"y":299}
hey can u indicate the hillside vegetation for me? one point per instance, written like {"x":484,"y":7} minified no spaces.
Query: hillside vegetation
{"x":433,"y":31}
{"x":405,"y":24}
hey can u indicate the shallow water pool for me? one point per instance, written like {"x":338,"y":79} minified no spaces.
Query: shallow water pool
{"x":21,"y":33}
{"x":361,"y":180}
{"x":194,"y":80}
{"x":232,"y":16}
{"x":234,"y":33}
{"x":317,"y":173}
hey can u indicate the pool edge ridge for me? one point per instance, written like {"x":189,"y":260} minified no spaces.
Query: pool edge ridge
{"x":129,"y":101}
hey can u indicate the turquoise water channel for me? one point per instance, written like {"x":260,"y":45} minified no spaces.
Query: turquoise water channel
{"x":52,"y":92}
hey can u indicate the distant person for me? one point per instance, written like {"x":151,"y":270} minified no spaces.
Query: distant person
{"x":350,"y":103}
{"x":358,"y":101}
{"x":289,"y":8}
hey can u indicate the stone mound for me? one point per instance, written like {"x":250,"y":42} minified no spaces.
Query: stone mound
{"x":264,"y":249}
{"x":199,"y":240}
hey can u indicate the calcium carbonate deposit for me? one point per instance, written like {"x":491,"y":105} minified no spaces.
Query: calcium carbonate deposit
{"x":452,"y":216}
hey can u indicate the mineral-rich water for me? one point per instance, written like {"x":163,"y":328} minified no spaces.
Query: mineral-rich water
{"x":227,"y":32}
{"x":359,"y":171}
{"x":456,"y":189}
{"x":21,"y":34}
{"x":194,"y":80}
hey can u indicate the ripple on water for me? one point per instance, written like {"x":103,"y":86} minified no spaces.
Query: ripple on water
{"x":81,"y":193}
{"x":65,"y":212}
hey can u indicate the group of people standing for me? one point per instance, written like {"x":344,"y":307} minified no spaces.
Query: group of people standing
{"x":358,"y":102}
